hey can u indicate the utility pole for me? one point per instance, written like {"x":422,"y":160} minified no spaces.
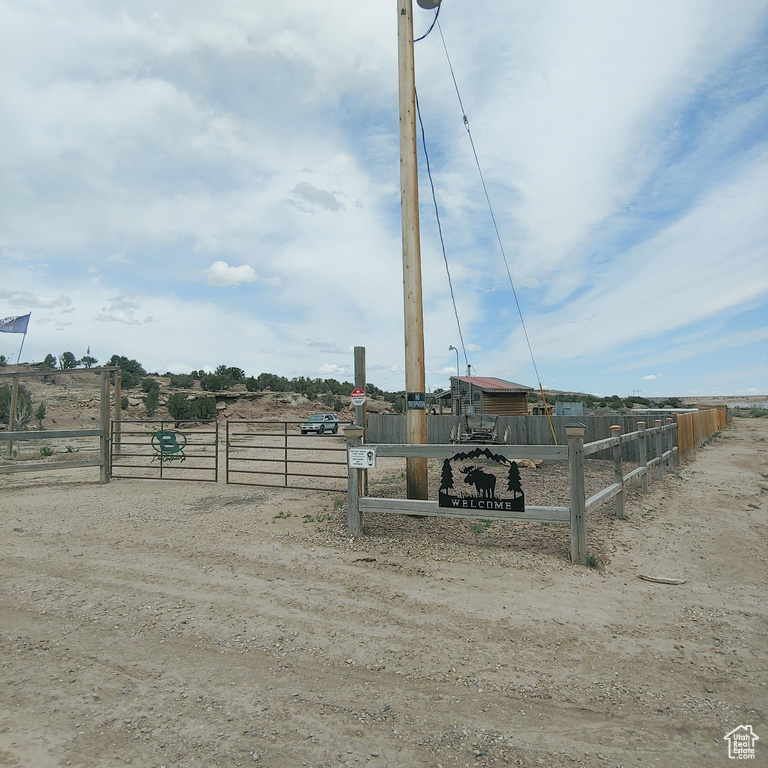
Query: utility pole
{"x":415,"y":413}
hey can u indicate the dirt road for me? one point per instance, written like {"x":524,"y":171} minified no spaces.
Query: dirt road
{"x":192,"y":625}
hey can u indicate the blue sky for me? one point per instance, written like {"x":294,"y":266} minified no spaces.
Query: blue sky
{"x":193,"y":184}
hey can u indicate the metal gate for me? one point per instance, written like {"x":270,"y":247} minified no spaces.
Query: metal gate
{"x":165,"y":450}
{"x":276,"y":454}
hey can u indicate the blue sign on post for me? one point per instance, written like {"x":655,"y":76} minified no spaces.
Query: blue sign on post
{"x":417,"y":401}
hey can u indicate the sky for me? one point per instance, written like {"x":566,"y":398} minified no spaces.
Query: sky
{"x":194,"y":184}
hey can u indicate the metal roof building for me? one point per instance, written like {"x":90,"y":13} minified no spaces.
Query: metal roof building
{"x":490,"y":395}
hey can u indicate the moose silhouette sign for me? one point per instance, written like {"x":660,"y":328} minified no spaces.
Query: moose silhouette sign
{"x":475,"y":479}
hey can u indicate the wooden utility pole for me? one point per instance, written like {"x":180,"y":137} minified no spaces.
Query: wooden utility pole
{"x":415,"y":413}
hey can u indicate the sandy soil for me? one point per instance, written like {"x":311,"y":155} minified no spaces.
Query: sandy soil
{"x":191,"y":624}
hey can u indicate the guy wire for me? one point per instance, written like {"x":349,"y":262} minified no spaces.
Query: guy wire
{"x":496,"y":228}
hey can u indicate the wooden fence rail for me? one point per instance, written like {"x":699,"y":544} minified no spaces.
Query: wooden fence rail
{"x":49,"y":435}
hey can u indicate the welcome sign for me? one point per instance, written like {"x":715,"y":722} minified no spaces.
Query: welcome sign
{"x":481,"y":480}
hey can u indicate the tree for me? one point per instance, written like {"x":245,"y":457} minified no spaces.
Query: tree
{"x":49,"y":363}
{"x":131,"y":370}
{"x":40,"y":414}
{"x":67,"y":361}
{"x":231,"y":374}
{"x":88,"y":361}
{"x":3,"y":361}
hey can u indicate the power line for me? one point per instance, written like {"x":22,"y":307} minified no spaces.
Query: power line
{"x":493,"y":219}
{"x":440,"y":229}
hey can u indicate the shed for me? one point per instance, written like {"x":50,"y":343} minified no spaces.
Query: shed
{"x":497,"y":397}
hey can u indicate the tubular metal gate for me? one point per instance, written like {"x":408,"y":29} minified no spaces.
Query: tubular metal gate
{"x":275,"y":454}
{"x":164,"y":450}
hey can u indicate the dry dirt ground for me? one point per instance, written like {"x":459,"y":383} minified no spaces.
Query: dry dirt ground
{"x":186,"y":624}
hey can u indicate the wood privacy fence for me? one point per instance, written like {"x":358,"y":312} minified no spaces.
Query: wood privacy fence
{"x":695,"y":428}
{"x":656,"y":448}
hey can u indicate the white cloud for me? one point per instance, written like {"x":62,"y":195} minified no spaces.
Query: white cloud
{"x":220,"y":273}
{"x":624,"y":184}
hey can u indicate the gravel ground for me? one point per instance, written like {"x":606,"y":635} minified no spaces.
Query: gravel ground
{"x":199,"y":625}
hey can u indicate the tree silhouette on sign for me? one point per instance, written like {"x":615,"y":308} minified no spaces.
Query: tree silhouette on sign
{"x":446,"y":480}
{"x":513,"y":479}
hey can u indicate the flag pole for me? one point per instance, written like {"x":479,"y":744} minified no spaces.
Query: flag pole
{"x":18,"y":358}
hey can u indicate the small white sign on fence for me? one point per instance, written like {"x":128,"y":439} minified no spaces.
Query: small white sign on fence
{"x":363,"y":457}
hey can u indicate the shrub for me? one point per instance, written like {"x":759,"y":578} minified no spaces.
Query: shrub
{"x":182,"y":408}
{"x":204,"y":408}
{"x":23,"y":405}
{"x":212,"y":382}
{"x":181,"y":380}
{"x":152,"y":398}
{"x":179,"y":406}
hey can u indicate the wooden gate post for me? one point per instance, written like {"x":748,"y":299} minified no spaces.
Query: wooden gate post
{"x":575,"y":435}
{"x":643,"y":455}
{"x":353,"y":435}
{"x":117,"y":411}
{"x":104,"y":428}
{"x":618,"y":472}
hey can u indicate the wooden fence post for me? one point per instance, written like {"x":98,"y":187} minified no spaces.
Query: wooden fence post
{"x":104,"y":427}
{"x":670,"y":443}
{"x":360,"y":410}
{"x":117,"y":411}
{"x":659,"y":448}
{"x":643,"y":455}
{"x":353,"y":435}
{"x":618,"y":472}
{"x":575,"y":435}
{"x":12,"y":412}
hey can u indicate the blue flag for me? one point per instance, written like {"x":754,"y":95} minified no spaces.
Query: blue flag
{"x":14,"y":324}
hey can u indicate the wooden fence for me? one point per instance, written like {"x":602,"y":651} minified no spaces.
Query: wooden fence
{"x":656,"y":448}
{"x":56,"y":435}
{"x":695,"y":429}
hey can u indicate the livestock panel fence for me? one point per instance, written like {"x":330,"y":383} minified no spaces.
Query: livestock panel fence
{"x":279,"y":454}
{"x":656,"y":447}
{"x":162,"y":449}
